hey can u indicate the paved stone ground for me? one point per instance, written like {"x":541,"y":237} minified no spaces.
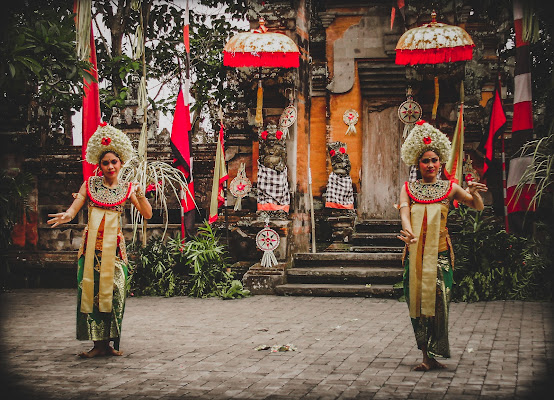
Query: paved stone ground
{"x":185,"y":348}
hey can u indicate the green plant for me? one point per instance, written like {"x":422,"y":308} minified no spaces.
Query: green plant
{"x":491,"y":264}
{"x":208,"y":261}
{"x":154,"y":270}
{"x":231,"y":288}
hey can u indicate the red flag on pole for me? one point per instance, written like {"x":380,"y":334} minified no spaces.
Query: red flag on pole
{"x":186,"y":29}
{"x":91,"y":108}
{"x":496,"y":124}
{"x":181,"y":144}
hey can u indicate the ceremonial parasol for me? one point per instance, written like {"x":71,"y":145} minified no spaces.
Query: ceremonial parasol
{"x":434,"y":43}
{"x":260,"y":48}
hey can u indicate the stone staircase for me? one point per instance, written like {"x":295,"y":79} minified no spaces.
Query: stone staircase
{"x":369,"y":267}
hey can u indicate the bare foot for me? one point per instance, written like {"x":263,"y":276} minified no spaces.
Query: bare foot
{"x":422,"y":367}
{"x":436,"y":365}
{"x":113,"y":352}
{"x":94,"y":352}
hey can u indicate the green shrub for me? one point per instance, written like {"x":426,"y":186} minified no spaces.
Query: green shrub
{"x":208,"y":262}
{"x":154,"y":270}
{"x":197,"y":268}
{"x":491,"y":264}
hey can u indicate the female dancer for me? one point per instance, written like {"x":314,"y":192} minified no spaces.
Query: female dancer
{"x":428,"y":265}
{"x":102,"y":266}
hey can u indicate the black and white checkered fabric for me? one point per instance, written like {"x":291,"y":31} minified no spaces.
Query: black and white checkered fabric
{"x":413,"y":173}
{"x":273,"y":186}
{"x":339,"y":189}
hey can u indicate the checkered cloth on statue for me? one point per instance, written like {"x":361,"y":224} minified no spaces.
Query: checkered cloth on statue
{"x":273,"y":189}
{"x":339,"y":192}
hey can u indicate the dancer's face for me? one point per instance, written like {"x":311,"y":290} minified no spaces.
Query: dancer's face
{"x":429,"y":165}
{"x":110,"y":165}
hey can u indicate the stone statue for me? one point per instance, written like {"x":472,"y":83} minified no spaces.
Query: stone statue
{"x":273,"y":186}
{"x":339,"y":158}
{"x":340,"y":193}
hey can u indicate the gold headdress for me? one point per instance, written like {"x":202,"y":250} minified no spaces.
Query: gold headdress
{"x":424,"y":137}
{"x":107,"y":138}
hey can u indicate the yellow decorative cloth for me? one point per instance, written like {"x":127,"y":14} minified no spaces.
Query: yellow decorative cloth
{"x":428,"y":217}
{"x":109,"y":247}
{"x":423,"y":256}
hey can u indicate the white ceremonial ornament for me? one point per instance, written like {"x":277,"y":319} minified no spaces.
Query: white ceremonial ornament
{"x":350,"y":118}
{"x":409,"y":113}
{"x":287,"y":119}
{"x":240,"y":187}
{"x":268,"y":240}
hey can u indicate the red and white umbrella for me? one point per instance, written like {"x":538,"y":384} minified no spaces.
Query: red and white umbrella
{"x":434,"y":43}
{"x":260,"y":48}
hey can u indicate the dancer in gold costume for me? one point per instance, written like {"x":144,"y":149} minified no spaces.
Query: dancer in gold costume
{"x":428,"y":260}
{"x":102,"y":267}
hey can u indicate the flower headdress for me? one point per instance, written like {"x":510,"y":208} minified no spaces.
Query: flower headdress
{"x":336,"y":147}
{"x":424,"y":137}
{"x":271,"y":134}
{"x":107,"y":138}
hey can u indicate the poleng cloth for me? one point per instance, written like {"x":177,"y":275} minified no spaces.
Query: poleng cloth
{"x":428,"y":218}
{"x":273,"y":189}
{"x":339,"y":192}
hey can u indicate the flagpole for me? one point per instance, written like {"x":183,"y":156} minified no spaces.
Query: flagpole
{"x":504,"y":186}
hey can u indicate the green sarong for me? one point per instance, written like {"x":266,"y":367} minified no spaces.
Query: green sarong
{"x":98,"y":325}
{"x":432,"y":332}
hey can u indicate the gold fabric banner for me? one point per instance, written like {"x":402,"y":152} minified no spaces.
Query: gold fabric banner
{"x":109,"y":247}
{"x":423,"y":258}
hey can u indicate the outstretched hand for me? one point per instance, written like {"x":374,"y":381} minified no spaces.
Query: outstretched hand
{"x":59,"y":218}
{"x":407,"y":236}
{"x":473,"y":187}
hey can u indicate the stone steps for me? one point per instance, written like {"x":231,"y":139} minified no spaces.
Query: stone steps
{"x":344,"y":259}
{"x":337,"y":290}
{"x":345,"y":275}
{"x":369,"y":266}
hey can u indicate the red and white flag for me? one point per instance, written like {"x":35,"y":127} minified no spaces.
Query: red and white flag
{"x":519,"y":201}
{"x":523,"y":115}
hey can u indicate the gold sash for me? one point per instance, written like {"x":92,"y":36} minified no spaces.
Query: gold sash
{"x":109,"y":247}
{"x":423,"y":259}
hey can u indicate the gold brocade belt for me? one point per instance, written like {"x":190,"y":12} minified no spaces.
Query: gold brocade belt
{"x":107,"y":266}
{"x":423,"y":259}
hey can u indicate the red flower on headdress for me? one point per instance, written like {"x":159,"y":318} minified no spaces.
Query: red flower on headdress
{"x":420,"y":122}
{"x":106,"y":141}
{"x":427,"y":140}
{"x":342,"y":150}
{"x":264,"y":135}
{"x":332,"y":152}
{"x":103,"y":123}
{"x":278,"y":134}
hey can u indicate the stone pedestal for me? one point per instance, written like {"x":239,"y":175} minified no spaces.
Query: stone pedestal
{"x":340,"y":224}
{"x":262,"y":280}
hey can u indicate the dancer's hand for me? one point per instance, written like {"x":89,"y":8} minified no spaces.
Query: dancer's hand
{"x":136,"y":189}
{"x":476,"y":187}
{"x":59,"y":218}
{"x":407,"y":236}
